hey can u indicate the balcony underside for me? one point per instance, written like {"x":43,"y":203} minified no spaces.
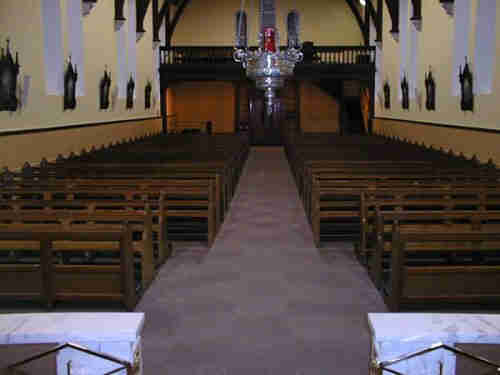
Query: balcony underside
{"x":234,"y":72}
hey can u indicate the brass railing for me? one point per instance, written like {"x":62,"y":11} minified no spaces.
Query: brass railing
{"x":379,"y":367}
{"x":130,"y":368}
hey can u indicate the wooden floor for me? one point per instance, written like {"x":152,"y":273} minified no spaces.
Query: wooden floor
{"x":264,"y":300}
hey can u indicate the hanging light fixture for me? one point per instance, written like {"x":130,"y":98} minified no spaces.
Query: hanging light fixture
{"x":267,"y":66}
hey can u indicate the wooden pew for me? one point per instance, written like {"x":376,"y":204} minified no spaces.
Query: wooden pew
{"x":425,"y":222}
{"x":475,"y":283}
{"x":107,"y":206}
{"x":47,"y":281}
{"x":471,"y":197}
{"x":340,"y":203}
{"x":140,"y":223}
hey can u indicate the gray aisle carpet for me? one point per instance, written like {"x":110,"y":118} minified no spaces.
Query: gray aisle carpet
{"x":263,"y":300}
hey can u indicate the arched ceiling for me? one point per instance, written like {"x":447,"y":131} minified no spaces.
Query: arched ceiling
{"x":171,"y":12}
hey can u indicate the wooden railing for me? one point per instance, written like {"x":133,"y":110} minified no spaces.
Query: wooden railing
{"x":341,"y":55}
{"x":181,"y":55}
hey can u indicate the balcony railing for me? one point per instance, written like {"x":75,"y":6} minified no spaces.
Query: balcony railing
{"x":182,"y":55}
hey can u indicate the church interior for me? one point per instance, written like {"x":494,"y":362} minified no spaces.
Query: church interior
{"x":249,"y":187}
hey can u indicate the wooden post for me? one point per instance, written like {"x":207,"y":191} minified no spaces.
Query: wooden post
{"x":156,"y":24}
{"x":237,"y":106}
{"x":148,"y":261}
{"x":297,"y":105}
{"x":163,"y":106}
{"x":376,"y":260}
{"x":211,"y":216}
{"x":372,"y":100}
{"x":367,"y":24}
{"x":380,"y":18}
{"x":47,"y":274}
{"x":127,"y":269}
{"x":397,"y":267}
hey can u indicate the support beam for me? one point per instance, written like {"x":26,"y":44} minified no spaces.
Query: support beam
{"x":373,"y":15}
{"x":156,"y":23}
{"x":142,"y":9}
{"x":175,"y":20}
{"x":416,"y":18}
{"x":359,"y":19}
{"x":367,"y":20}
{"x":163,"y":106}
{"x":119,"y":10}
{"x":380,"y":18}
{"x":393,"y":7}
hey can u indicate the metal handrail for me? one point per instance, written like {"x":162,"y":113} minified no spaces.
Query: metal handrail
{"x":125,"y":365}
{"x":384,"y":364}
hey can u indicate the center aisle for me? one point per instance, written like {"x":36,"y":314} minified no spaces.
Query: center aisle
{"x":263,"y":300}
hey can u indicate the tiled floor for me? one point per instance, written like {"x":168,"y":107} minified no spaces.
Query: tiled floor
{"x":263,"y":300}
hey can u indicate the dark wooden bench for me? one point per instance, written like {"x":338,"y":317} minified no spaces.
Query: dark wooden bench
{"x":107,"y":203}
{"x":431,"y":198}
{"x":47,"y":281}
{"x":424,"y":222}
{"x":461,"y":282}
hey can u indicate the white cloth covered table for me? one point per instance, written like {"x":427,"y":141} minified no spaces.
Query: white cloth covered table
{"x":116,"y":334}
{"x":396,"y":334}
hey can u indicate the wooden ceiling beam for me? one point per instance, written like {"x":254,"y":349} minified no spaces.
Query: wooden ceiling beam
{"x":359,"y":19}
{"x":119,"y":10}
{"x":393,"y":7}
{"x":175,"y":20}
{"x":141,"y":9}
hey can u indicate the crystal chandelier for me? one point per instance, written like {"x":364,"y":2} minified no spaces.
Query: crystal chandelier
{"x":268,"y":66}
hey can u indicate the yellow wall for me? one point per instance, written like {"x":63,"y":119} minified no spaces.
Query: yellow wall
{"x":15,"y":150}
{"x":436,"y":50}
{"x":319,"y":112}
{"x":469,"y":142}
{"x":196,"y":103}
{"x":326,"y":22}
{"x":21,"y":21}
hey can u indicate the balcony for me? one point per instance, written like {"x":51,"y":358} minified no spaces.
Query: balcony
{"x":216,"y":62}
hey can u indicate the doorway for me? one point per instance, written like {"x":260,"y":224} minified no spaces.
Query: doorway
{"x":264,"y":126}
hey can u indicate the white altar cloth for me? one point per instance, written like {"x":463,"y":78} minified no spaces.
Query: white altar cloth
{"x":116,"y":334}
{"x":396,"y":334}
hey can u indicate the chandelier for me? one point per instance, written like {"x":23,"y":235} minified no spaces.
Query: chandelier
{"x":268,"y":66}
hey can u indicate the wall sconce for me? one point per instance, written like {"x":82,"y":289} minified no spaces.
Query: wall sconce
{"x":466,"y":88}
{"x":147,"y":95}
{"x":9,"y":70}
{"x":448,"y":6}
{"x":70,"y":78}
{"x":405,"y":103}
{"x":87,"y":6}
{"x":387,"y":95}
{"x":130,"y":93}
{"x":430,"y":91}
{"x":104,"y":90}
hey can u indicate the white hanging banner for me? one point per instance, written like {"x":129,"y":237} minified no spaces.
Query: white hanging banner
{"x":53,"y":47}
{"x":413,"y":62}
{"x":484,"y":61}
{"x":131,"y":43}
{"x":121,"y":55}
{"x":403,"y":42}
{"x":75,"y":38}
{"x":461,"y":42}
